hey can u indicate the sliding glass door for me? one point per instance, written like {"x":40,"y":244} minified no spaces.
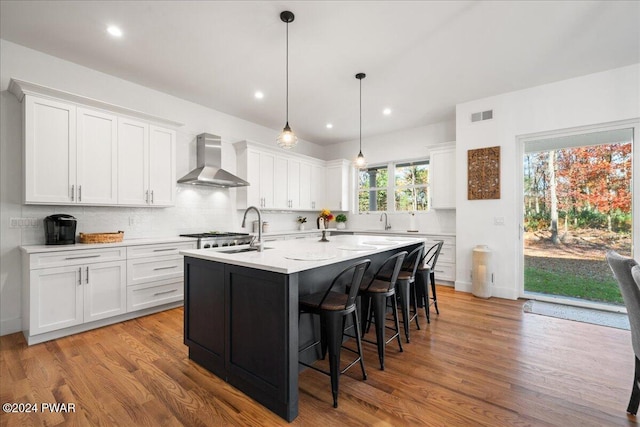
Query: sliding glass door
{"x":577,"y":204}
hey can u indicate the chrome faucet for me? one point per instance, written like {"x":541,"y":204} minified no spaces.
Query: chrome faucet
{"x":255,"y":244}
{"x":387,"y":226}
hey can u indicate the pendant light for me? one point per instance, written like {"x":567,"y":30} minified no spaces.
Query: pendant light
{"x":287,"y":139}
{"x":360,"y":161}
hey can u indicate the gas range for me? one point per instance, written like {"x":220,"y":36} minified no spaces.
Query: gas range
{"x":220,"y":239}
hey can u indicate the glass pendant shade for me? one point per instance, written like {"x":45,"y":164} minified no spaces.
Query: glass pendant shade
{"x":360,"y":162}
{"x":287,"y":139}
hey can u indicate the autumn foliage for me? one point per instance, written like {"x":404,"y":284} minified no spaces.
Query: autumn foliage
{"x":592,"y":187}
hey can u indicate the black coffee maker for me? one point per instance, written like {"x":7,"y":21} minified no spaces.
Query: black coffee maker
{"x":60,"y":229}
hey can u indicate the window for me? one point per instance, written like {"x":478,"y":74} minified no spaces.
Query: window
{"x":372,"y":189}
{"x":409,"y":186}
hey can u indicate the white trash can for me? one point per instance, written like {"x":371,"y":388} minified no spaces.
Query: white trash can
{"x":482,"y":271}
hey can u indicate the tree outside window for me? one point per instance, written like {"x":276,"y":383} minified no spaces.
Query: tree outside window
{"x":412,"y":186}
{"x":409,"y":186}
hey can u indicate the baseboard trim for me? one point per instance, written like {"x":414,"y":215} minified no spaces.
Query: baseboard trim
{"x":10,"y":326}
{"x":47,"y":336}
{"x":496,"y":291}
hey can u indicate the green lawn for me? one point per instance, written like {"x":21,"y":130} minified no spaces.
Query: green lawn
{"x":571,"y":285}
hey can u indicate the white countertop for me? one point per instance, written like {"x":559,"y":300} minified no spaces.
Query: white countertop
{"x":31,"y":249}
{"x":398,"y":231}
{"x":278,"y":257}
{"x":359,"y":230}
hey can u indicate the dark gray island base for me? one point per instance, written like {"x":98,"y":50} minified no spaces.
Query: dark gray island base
{"x":241,"y":322}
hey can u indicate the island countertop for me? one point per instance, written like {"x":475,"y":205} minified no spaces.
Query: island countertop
{"x":292,"y":256}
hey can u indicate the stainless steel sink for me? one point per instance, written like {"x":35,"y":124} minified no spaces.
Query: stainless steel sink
{"x":240,"y":250}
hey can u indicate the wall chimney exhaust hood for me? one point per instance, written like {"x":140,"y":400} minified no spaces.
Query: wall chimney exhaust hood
{"x":209,"y":171}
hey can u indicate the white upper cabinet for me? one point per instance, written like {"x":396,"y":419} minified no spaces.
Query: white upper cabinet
{"x":279,"y":181}
{"x":82,"y":151}
{"x":162,"y":166}
{"x":96,"y":157}
{"x":287,"y":183}
{"x":133,"y":162}
{"x":147,"y":158}
{"x":318,"y":186}
{"x":305,"y":183}
{"x":442,"y":176}
{"x":337,"y":185}
{"x":70,"y":154}
{"x":258,"y":169}
{"x":49,"y":151}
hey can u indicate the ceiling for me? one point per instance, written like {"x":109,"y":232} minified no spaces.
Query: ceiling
{"x":421,"y":57}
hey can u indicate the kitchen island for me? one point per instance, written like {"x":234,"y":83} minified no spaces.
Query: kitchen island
{"x":241,"y":308}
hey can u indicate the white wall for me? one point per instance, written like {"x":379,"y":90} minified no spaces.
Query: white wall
{"x":406,"y":144}
{"x":197,"y":208}
{"x":598,"y":98}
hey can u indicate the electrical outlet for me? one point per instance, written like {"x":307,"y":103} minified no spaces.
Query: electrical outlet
{"x":23,"y":223}
{"x":498,"y":220}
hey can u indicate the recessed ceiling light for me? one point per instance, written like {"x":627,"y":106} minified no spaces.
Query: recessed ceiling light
{"x":114,"y":31}
{"x":386,"y":111}
{"x":258,"y":95}
{"x":329,"y":126}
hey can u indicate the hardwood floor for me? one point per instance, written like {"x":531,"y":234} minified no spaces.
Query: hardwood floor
{"x":481,"y":362}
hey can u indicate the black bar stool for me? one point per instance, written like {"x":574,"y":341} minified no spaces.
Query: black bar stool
{"x":333,"y":307}
{"x":426,"y":273}
{"x":405,"y":287}
{"x":377,"y":291}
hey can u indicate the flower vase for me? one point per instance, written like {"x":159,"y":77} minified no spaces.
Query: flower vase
{"x":301,"y":227}
{"x":341,"y":225}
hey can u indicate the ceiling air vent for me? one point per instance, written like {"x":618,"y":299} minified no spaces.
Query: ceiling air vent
{"x":483,"y":115}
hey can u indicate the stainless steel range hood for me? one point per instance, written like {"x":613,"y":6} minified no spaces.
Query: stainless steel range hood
{"x":209,"y":171}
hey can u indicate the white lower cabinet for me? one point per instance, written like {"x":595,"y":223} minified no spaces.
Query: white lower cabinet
{"x":82,"y":291}
{"x":155,"y":274}
{"x":446,"y":266}
{"x":70,"y":291}
{"x":149,"y":295}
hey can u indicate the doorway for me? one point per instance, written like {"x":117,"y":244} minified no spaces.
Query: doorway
{"x":576,"y":204}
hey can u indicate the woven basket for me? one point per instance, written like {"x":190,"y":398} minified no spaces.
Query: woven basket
{"x":102,"y":237}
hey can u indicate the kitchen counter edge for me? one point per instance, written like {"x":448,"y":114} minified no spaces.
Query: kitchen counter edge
{"x":32,"y":249}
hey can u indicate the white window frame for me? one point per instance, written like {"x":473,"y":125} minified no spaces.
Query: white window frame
{"x":391,"y":186}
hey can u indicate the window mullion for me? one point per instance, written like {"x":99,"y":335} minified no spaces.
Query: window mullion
{"x":391,"y":187}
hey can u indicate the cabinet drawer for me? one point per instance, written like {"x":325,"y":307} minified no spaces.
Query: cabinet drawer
{"x":160,"y":249}
{"x":448,"y":240}
{"x":146,"y":270}
{"x":83,"y":256}
{"x":445,"y":271}
{"x":447,"y":254}
{"x":153,"y":294}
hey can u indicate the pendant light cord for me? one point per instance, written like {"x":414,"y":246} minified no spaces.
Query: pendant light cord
{"x":360,"y":115}
{"x":287,"y":73}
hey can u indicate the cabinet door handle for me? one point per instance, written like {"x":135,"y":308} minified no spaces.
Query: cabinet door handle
{"x":82,"y":257}
{"x":165,"y":292}
{"x":165,"y":268}
{"x":164,"y":250}
{"x":79,"y":193}
{"x":87,"y":276}
{"x":151,"y":196}
{"x":79,"y":276}
{"x":73,"y":192}
{"x":146,"y":196}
